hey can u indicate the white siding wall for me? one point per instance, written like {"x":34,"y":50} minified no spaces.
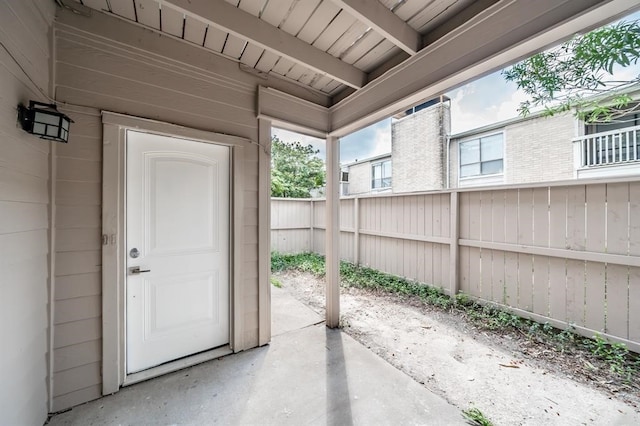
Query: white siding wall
{"x":24,"y":217}
{"x":103,"y":63}
{"x":418,"y":152}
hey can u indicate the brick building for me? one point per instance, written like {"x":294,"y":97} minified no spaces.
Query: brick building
{"x":426,"y":157}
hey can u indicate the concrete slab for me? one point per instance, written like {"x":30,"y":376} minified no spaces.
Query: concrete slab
{"x":288,"y":314}
{"x":310,"y":376}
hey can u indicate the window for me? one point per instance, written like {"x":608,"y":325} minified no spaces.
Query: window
{"x":381,"y":175}
{"x":482,"y":156}
{"x":344,"y":176}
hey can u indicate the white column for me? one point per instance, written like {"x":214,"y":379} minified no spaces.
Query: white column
{"x":264,"y":231}
{"x":332,"y":233}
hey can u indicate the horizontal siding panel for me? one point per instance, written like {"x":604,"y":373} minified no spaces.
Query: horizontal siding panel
{"x":16,"y":186}
{"x":78,"y":193}
{"x":77,"y":397}
{"x":159,"y":109}
{"x":73,"y":333}
{"x":157,"y":76}
{"x":250,"y":199}
{"x":77,"y":239}
{"x":78,"y":262}
{"x":77,"y":309}
{"x":76,"y":378}
{"x":21,"y":246}
{"x":21,"y":217}
{"x":77,"y":355}
{"x":74,"y":217}
{"x":144,"y":93}
{"x":80,"y":147}
{"x":250,"y":270}
{"x":250,"y":252}
{"x":71,"y":169}
{"x":251,"y":235}
{"x":30,"y":48}
{"x":250,"y":217}
{"x":22,"y":158}
{"x":81,"y":285}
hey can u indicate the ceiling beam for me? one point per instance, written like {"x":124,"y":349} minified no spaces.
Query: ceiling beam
{"x":377,"y":16}
{"x":498,"y":36}
{"x":229,"y":18}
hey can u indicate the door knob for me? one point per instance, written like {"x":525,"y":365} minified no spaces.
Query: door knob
{"x":135,"y":270}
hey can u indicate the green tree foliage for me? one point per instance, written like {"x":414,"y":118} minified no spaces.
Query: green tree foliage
{"x":578,"y":75}
{"x":295,"y":169}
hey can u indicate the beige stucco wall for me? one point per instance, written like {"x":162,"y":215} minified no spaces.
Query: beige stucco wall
{"x":539,"y":149}
{"x":24,"y":211}
{"x":418,"y":149}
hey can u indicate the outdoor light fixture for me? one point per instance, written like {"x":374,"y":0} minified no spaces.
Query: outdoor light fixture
{"x":44,"y":120}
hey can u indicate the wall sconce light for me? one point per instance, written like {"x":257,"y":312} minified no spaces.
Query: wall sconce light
{"x":44,"y":120}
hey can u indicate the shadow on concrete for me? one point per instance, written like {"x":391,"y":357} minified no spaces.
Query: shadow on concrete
{"x":338,"y":398}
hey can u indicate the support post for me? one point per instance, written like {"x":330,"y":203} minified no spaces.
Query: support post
{"x":453,"y":244}
{"x":356,"y":233}
{"x":264,"y":231}
{"x":312,"y":214}
{"x":332,"y":233}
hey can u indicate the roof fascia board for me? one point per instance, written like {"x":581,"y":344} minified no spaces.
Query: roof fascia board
{"x":231,"y":19}
{"x":493,"y":39}
{"x":292,"y":113}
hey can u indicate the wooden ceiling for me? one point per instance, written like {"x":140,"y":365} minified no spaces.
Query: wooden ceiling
{"x":328,"y":45}
{"x":368,"y":59}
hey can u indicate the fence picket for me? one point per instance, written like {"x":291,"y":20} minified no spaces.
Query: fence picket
{"x":567,"y":253}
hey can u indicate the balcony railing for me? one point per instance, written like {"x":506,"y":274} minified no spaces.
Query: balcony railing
{"x":608,"y":148}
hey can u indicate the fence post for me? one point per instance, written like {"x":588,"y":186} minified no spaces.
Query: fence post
{"x":453,"y":243}
{"x":356,"y":233}
{"x":311,"y":220}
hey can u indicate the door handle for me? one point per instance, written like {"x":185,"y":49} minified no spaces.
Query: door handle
{"x":135,"y":270}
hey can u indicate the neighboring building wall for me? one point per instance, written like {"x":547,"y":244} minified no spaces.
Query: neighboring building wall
{"x":25,"y":28}
{"x":418,"y":142}
{"x":360,"y":178}
{"x":104,"y":63}
{"x":539,"y":149}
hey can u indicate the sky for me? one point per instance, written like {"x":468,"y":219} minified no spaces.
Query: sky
{"x":478,"y":103}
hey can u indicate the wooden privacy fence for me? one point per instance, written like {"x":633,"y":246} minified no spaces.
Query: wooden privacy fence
{"x":567,"y":253}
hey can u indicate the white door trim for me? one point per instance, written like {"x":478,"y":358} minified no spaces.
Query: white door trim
{"x":114,"y":238}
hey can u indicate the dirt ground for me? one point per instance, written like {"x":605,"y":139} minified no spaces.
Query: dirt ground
{"x":497,"y":374}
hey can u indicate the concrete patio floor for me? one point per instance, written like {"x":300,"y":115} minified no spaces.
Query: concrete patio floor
{"x":308,"y":375}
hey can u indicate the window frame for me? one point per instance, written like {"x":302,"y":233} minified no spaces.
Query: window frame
{"x":479,"y":138}
{"x":372,"y":181}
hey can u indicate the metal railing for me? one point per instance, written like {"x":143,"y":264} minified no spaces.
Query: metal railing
{"x":608,"y":148}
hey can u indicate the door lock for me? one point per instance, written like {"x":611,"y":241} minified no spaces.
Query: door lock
{"x":135,"y":270}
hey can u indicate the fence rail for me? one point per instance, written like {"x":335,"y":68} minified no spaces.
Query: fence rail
{"x":568,"y":254}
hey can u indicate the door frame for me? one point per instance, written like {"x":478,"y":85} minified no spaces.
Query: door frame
{"x":115,"y":127}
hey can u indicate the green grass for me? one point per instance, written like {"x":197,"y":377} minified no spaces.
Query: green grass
{"x":275,"y":282}
{"x":476,"y":417}
{"x":616,"y":356}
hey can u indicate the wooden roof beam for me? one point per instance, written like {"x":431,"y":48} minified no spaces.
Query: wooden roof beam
{"x":377,"y":16}
{"x":227,"y":17}
{"x":499,"y":35}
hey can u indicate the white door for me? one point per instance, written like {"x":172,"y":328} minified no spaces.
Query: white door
{"x":177,"y":300}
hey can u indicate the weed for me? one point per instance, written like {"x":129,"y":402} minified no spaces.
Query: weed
{"x":476,"y":417}
{"x":486,"y":316}
{"x":275,"y":282}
